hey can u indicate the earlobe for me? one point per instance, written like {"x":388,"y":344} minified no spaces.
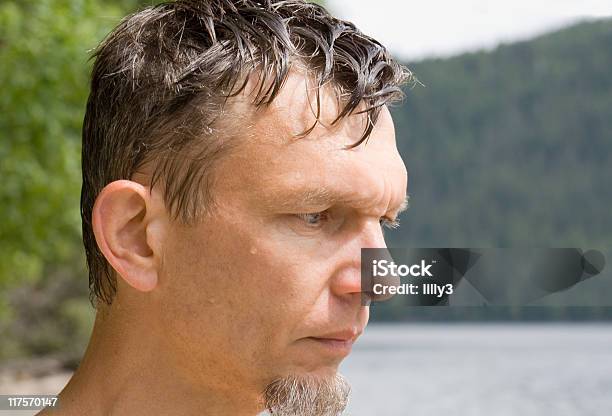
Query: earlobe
{"x":120,"y":217}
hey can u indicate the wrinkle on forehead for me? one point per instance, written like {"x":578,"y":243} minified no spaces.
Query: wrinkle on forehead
{"x":376,"y":200}
{"x":372,"y":179}
{"x":281,"y":170}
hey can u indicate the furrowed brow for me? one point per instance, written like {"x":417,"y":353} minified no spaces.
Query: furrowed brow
{"x":314,"y":197}
{"x":318,"y":198}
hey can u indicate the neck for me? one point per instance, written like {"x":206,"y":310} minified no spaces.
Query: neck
{"x":128,"y":369}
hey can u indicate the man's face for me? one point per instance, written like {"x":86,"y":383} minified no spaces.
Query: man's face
{"x":269,"y":285}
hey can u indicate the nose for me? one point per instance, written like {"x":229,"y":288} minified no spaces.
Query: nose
{"x":347,"y":279}
{"x":373,"y":237}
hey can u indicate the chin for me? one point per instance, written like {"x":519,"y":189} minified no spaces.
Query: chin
{"x":329,"y":370}
{"x":314,"y":368}
{"x":308,"y":393}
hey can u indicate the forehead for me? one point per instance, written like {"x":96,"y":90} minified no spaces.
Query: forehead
{"x":272,"y":166}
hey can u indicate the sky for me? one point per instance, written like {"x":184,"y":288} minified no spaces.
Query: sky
{"x":413,"y":30}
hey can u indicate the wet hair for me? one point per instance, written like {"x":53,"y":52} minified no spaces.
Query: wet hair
{"x":163,"y":78}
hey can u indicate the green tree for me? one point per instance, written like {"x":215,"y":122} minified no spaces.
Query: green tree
{"x":44,"y":51}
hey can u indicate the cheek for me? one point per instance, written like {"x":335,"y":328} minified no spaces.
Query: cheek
{"x":240,"y":298}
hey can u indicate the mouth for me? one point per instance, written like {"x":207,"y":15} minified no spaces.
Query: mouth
{"x":337,"y":343}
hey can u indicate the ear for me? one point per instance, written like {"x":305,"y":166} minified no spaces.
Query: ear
{"x":122,"y":224}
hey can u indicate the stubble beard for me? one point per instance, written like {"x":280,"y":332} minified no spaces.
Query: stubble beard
{"x":307,"y":395}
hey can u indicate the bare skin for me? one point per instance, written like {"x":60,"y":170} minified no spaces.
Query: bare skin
{"x":207,"y":315}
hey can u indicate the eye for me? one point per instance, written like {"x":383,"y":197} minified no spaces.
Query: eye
{"x":389,"y":223}
{"x":314,"y":219}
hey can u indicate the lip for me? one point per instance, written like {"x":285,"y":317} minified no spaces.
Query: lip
{"x":337,"y":343}
{"x":333,"y":346}
{"x":343,"y":335}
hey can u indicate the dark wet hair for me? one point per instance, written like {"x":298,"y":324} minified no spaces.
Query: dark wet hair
{"x":163,"y":76}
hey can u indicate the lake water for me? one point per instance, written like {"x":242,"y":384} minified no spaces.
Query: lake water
{"x":466,"y":370}
{"x":482,"y":369}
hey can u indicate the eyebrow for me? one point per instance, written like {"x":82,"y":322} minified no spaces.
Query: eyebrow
{"x":310,"y":197}
{"x":322,"y":196}
{"x":404,"y":205}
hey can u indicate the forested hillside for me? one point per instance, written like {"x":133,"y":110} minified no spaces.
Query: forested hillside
{"x":510,"y":148}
